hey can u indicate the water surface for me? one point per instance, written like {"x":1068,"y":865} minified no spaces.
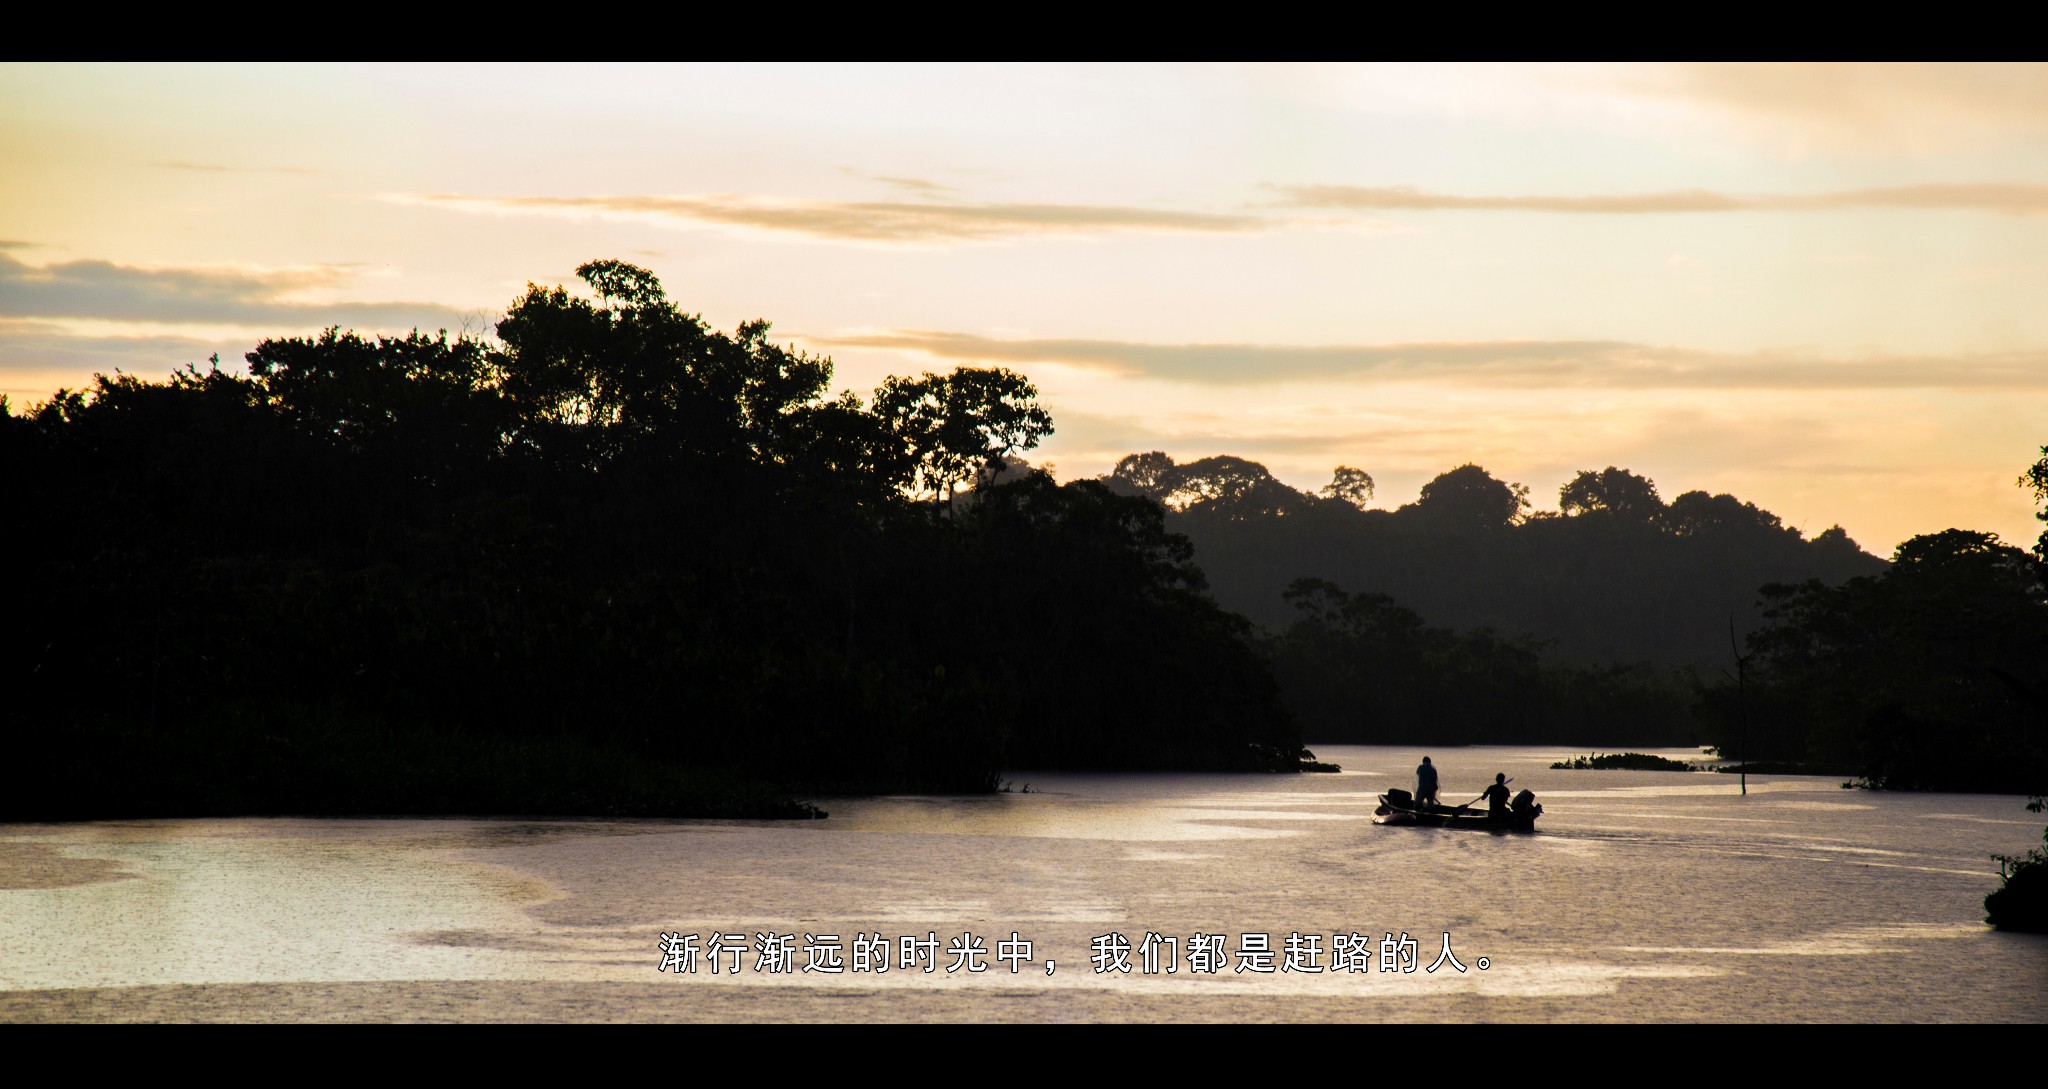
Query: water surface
{"x":1644,"y":896}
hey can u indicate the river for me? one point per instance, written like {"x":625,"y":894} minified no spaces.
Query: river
{"x":1644,"y":896}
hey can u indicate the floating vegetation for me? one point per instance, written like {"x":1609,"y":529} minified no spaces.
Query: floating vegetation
{"x":1629,"y":761}
{"x":2021,"y":901}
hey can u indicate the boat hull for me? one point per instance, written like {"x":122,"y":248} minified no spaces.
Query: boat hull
{"x":1426,"y":815}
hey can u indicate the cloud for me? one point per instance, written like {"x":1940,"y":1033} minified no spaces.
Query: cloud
{"x":37,"y":359}
{"x":1531,"y":364}
{"x":860,"y":221}
{"x":28,"y":347}
{"x":921,"y":187}
{"x":1189,"y":435}
{"x":2008,"y":199}
{"x":107,"y":291}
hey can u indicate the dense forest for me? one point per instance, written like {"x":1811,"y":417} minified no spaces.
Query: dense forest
{"x":1466,"y":617}
{"x":615,"y":561}
{"x":1930,"y":676}
{"x":1614,"y":575}
{"x":1620,"y":618}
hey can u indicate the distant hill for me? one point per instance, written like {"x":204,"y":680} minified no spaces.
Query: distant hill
{"x":1618,"y":576}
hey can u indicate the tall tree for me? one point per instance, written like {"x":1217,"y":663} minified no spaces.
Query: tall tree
{"x":1148,"y":474}
{"x":1617,"y":491}
{"x":959,"y":425}
{"x":1916,"y":677}
{"x":632,"y":371}
{"x":1353,"y":486}
{"x":1470,"y":497}
{"x":2035,"y":480}
{"x":1696,"y":513}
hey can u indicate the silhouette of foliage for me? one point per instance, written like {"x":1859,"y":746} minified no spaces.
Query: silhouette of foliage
{"x":1596,"y":589}
{"x":1924,"y":677}
{"x":1468,"y":497}
{"x":1615,"y":491}
{"x":1359,"y":668}
{"x":1353,"y":486}
{"x":1144,"y":474}
{"x":961,"y":425}
{"x":1625,"y":761}
{"x":2021,"y":900}
{"x":1697,"y":514}
{"x":612,"y":561}
{"x":2035,"y":480}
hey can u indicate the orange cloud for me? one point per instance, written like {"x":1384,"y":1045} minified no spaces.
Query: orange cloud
{"x":860,"y":221}
{"x":107,"y":291}
{"x":1613,"y":364}
{"x":2008,"y":199}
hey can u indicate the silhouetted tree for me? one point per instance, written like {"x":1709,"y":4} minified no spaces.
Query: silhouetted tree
{"x":1150,"y":475}
{"x":615,"y":561}
{"x":633,"y":374}
{"x":1469,"y":497}
{"x":1353,"y":486}
{"x":2035,"y":480}
{"x":1223,"y":481}
{"x":962,"y":424}
{"x":1616,"y":491}
{"x":1834,"y":542}
{"x":1696,"y":513}
{"x":1597,"y":590}
{"x":1916,"y":677}
{"x":1361,"y":668}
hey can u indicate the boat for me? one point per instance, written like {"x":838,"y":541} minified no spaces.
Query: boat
{"x":1400,"y":807}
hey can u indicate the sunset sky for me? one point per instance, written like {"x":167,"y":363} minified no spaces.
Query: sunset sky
{"x":1824,"y":289}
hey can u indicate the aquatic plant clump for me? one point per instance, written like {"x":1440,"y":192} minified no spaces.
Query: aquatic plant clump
{"x":1629,"y":761}
{"x":2021,"y":902}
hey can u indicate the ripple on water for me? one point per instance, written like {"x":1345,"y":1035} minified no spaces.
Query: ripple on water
{"x":1644,"y":901}
{"x":1146,"y":854}
{"x":1856,"y":941}
{"x":28,"y":864}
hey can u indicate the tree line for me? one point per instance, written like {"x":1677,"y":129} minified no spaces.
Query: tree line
{"x":1616,"y":575}
{"x":611,"y":561}
{"x":1619,"y":618}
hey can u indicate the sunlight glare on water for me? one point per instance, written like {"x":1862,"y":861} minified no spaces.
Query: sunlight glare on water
{"x":1643,"y":896}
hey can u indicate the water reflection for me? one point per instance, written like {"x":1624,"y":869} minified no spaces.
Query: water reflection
{"x":1645,"y":895}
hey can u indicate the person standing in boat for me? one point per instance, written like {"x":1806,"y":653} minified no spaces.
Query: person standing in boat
{"x":1425,"y":783}
{"x":1497,"y":797}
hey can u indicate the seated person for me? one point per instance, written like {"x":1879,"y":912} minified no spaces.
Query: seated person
{"x":1497,"y":797}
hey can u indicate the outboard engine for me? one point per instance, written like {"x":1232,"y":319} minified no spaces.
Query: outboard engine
{"x":1400,"y":797}
{"x":1525,"y":804}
